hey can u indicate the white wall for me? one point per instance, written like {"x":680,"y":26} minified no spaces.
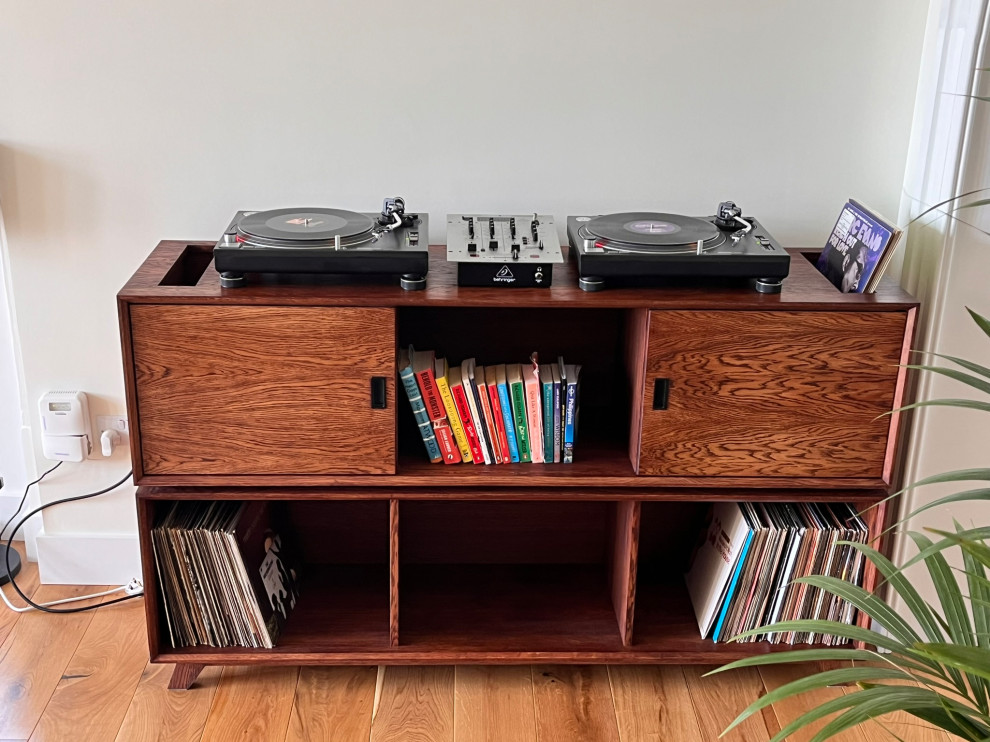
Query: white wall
{"x":12,"y":455}
{"x":125,"y":123}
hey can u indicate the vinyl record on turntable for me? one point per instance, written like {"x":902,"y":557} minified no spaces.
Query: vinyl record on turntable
{"x":309,"y":227}
{"x":648,"y":229}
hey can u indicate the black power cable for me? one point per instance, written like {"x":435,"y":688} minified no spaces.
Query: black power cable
{"x":28,"y":486}
{"x":37,"y":510}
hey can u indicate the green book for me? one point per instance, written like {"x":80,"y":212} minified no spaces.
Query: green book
{"x":546,"y":386}
{"x":518,"y":394}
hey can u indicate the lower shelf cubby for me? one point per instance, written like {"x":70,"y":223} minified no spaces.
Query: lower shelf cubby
{"x":514,"y":577}
{"x":341,"y":552}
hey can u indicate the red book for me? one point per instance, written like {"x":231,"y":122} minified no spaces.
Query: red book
{"x":464,"y":412}
{"x":486,"y":410}
{"x":503,"y":438}
{"x":445,"y":438}
{"x":422,"y":365}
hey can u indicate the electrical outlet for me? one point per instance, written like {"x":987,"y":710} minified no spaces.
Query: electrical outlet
{"x":117,"y":423}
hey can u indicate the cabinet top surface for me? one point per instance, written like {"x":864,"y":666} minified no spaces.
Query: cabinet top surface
{"x":163,"y":278}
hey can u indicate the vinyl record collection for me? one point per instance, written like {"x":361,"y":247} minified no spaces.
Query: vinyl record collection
{"x":224,"y":576}
{"x":495,"y":414}
{"x":743,"y":574}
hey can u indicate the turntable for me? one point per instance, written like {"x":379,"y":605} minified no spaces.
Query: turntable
{"x":325,"y":241}
{"x":649,"y":247}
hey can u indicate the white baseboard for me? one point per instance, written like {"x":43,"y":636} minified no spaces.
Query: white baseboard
{"x":70,"y":559}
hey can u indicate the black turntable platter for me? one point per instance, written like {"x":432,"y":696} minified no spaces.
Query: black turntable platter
{"x":652,"y":230}
{"x":301,"y":228}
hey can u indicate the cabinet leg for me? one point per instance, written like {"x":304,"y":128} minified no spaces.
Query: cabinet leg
{"x":184,"y":675}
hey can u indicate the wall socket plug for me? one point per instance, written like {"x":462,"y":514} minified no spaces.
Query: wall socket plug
{"x":116,"y":423}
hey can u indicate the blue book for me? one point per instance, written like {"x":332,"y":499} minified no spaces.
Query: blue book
{"x":558,"y":432}
{"x":419,"y":407}
{"x":502,"y":384}
{"x":571,"y":412}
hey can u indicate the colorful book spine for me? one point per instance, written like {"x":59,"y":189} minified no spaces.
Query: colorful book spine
{"x":420,"y":413}
{"x":445,"y":438}
{"x":491,"y":381}
{"x":533,"y":407}
{"x":485,"y":406}
{"x":571,"y":413}
{"x":506,"y":404}
{"x":558,"y":438}
{"x":518,"y":393}
{"x":464,"y":412}
{"x":546,"y":389}
{"x":471,"y":392}
{"x":453,"y":417}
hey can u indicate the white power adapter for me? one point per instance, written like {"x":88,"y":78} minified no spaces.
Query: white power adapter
{"x":66,"y":429}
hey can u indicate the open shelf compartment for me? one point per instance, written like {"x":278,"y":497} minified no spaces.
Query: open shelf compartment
{"x":507,"y":576}
{"x":342,"y":552}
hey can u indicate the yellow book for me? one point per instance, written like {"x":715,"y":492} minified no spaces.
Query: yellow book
{"x":440,"y":372}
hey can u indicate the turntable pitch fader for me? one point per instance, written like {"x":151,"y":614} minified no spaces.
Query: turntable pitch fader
{"x":503,"y":250}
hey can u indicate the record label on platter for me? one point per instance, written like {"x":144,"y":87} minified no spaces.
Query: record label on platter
{"x":651,"y":226}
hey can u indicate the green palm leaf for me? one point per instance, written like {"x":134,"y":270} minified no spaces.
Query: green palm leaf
{"x":968,"y":365}
{"x":876,"y":701}
{"x":967,"y":379}
{"x":845,"y":675}
{"x":895,"y":577}
{"x":884,"y":699}
{"x":974,"y":661}
{"x":982,"y":322}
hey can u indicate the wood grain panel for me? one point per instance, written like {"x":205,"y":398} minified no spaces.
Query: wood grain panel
{"x":103,"y":674}
{"x":574,"y":704}
{"x":719,"y":700}
{"x":634,"y":355}
{"x":652,"y":703}
{"x":805,"y":287}
{"x":263,"y":390}
{"x":625,"y":558}
{"x":393,"y":573}
{"x":494,"y":704}
{"x":416,"y":703}
{"x":332,"y":703}
{"x":157,"y":713}
{"x":771,"y":394}
{"x":35,"y":655}
{"x":252,"y":703}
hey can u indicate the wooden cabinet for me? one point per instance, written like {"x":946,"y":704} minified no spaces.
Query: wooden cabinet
{"x":687,"y":397}
{"x":769,"y":393}
{"x":262,"y":390}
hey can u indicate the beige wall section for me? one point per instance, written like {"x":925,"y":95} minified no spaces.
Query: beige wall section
{"x":124,"y":123}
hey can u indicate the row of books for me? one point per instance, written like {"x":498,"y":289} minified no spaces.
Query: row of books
{"x":224,"y":578}
{"x":498,"y":414}
{"x":743,"y":574}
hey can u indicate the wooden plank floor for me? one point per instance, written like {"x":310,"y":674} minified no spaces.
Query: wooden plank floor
{"x":86,"y":677}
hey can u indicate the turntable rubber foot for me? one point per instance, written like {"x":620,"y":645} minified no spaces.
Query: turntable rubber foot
{"x":591,"y":283}
{"x":230,"y":280}
{"x":412,"y":281}
{"x":768,"y":285}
